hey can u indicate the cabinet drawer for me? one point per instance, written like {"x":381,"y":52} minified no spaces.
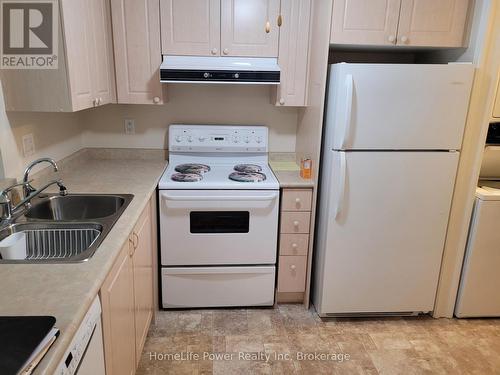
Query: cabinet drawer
{"x":296,"y":200}
{"x":292,"y":274}
{"x":294,"y":244}
{"x":295,"y":222}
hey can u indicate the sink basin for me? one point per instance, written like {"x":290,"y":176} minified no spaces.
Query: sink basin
{"x":63,"y":229}
{"x":66,"y":242}
{"x":76,"y":207}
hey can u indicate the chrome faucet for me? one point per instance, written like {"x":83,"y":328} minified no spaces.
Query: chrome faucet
{"x":6,"y":209}
{"x":27,"y":188}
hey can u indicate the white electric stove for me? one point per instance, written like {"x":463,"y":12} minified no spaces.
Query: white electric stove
{"x":218,"y":204}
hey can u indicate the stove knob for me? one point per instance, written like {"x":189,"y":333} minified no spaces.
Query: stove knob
{"x":259,"y":139}
{"x":190,"y":139}
{"x":247,"y":139}
{"x":236,"y":139}
{"x":201,"y":139}
{"x":178,"y":138}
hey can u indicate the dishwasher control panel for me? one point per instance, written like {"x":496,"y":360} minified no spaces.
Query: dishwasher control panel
{"x":74,"y":354}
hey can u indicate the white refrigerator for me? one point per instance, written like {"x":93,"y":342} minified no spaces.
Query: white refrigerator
{"x":391,"y":147}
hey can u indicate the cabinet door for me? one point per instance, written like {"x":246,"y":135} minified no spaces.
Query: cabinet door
{"x":103,"y":69}
{"x":432,"y":23}
{"x":142,"y":259}
{"x":78,"y":40}
{"x":190,"y":27}
{"x":293,"y":56}
{"x":136,"y":36}
{"x":249,"y":28}
{"x":117,"y":299}
{"x":368,"y":22}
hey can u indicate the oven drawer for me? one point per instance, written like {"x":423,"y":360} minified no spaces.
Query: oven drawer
{"x":218,"y":227}
{"x":217,"y":286}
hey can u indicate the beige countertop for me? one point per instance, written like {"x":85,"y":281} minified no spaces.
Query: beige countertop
{"x":67,"y":290}
{"x":287,"y":171}
{"x":292,"y":179}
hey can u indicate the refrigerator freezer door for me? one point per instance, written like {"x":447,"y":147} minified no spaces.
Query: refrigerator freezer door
{"x":381,"y":235}
{"x":397,"y":107}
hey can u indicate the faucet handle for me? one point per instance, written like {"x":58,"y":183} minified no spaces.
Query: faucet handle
{"x":5,"y":191}
{"x":5,"y":202}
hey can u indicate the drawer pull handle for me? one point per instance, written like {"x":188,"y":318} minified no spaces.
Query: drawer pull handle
{"x":297,"y":200}
{"x":294,"y":246}
{"x":293,"y":267}
{"x":295,"y":223}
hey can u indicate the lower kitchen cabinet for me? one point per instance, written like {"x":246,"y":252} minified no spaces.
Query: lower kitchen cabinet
{"x":118,"y":322}
{"x":142,"y":261}
{"x":127,"y":299}
{"x":294,"y":244}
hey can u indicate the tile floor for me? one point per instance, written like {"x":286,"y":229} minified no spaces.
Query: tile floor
{"x":420,"y":345}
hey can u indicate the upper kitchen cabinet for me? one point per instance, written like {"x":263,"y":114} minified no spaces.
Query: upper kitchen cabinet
{"x":220,"y":27}
{"x":190,"y":27}
{"x":136,"y":37}
{"x":85,"y":74}
{"x":415,"y":23}
{"x":293,"y":52}
{"x":368,"y":22}
{"x":431,"y":23}
{"x":250,"y":27}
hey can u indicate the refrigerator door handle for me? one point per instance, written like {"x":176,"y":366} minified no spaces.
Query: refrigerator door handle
{"x":349,"y":87}
{"x":342,"y":182}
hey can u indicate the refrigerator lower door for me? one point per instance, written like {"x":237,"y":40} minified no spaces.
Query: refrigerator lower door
{"x":382,"y":225}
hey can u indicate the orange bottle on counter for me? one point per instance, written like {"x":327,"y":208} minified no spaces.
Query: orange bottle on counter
{"x":306,"y":168}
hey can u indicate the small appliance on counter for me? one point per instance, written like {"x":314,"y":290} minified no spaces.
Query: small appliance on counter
{"x":480,"y":280}
{"x":218,"y":206}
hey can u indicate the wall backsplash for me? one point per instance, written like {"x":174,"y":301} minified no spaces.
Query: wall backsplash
{"x":58,"y":135}
{"x":195,"y":104}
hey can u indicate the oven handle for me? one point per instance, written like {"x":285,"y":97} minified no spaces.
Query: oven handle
{"x":221,"y":198}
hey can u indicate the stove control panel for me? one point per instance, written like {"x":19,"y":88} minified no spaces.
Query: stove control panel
{"x":217,"y":138}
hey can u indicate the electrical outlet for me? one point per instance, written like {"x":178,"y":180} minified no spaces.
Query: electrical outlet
{"x":129,"y":126}
{"x":28,"y":145}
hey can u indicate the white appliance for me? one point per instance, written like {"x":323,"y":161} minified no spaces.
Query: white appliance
{"x":480,"y":281}
{"x":391,"y":147}
{"x":85,"y":354}
{"x":219,"y":203}
{"x":219,"y":69}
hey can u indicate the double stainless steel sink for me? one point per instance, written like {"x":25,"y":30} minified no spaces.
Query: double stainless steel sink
{"x":65,"y":229}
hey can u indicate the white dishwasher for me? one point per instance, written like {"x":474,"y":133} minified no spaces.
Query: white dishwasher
{"x":85,"y":354}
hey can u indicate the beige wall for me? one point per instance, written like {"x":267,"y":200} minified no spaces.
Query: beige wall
{"x":60,"y":134}
{"x":196,"y":104}
{"x":56,"y":135}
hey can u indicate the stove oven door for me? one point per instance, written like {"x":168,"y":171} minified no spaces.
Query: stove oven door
{"x":218,"y":227}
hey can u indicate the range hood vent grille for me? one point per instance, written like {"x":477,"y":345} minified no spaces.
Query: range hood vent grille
{"x":235,"y":70}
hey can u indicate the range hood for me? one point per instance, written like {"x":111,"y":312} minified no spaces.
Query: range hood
{"x":241,"y":70}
